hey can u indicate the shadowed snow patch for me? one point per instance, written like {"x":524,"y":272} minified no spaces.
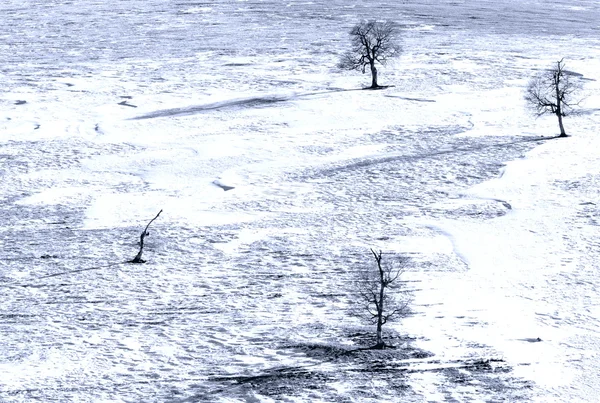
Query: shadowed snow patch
{"x":411,"y":99}
{"x":240,"y":102}
{"x":218,"y":183}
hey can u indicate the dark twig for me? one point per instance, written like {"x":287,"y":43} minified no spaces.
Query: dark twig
{"x":138,"y":257}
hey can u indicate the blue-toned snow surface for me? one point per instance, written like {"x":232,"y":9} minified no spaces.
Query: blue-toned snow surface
{"x":276,"y":173}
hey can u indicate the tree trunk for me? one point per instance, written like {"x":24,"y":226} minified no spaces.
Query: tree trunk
{"x":560,"y":124}
{"x":559,"y":100}
{"x":380,"y":344}
{"x":373,"y":76}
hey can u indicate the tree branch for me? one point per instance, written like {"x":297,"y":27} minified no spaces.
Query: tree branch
{"x":551,"y":91}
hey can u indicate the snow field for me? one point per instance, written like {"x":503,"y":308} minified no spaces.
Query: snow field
{"x":245,"y":282}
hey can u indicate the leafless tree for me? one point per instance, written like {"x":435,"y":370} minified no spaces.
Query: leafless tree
{"x":552,"y":92}
{"x":372,"y":42}
{"x":145,"y":233}
{"x":381,"y":295}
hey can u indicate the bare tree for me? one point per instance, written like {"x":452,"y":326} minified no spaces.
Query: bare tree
{"x":372,"y":42}
{"x":145,"y":233}
{"x":376,"y":303}
{"x":552,"y":92}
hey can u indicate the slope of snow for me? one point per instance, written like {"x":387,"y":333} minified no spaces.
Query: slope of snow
{"x":276,"y":173}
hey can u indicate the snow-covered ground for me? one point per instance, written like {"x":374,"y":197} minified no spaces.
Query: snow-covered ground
{"x":111,"y":112}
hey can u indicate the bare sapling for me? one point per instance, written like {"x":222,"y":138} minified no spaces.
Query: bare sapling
{"x":145,"y":233}
{"x":373,"y":42}
{"x":553,"y":92}
{"x":381,"y":295}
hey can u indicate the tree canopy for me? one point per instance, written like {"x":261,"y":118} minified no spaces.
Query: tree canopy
{"x":372,"y":42}
{"x":552,"y":92}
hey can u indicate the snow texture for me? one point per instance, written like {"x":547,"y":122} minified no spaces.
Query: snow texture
{"x":276,"y":173}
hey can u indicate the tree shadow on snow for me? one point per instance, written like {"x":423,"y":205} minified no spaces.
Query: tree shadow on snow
{"x":249,"y":102}
{"x":359,"y":368}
